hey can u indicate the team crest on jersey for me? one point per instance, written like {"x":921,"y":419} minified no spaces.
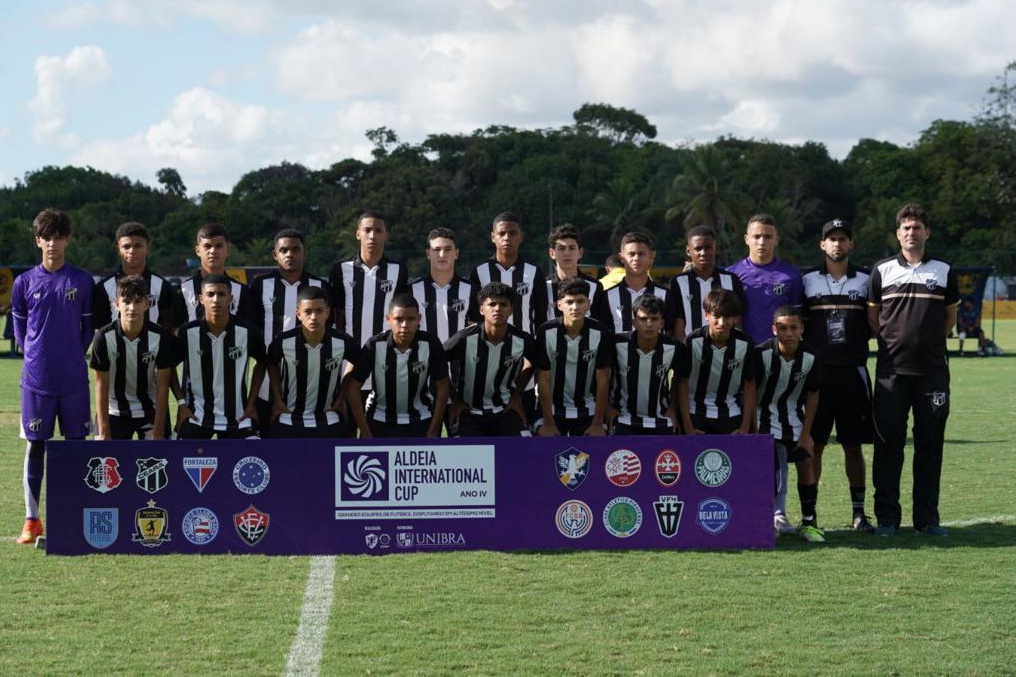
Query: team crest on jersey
{"x":854,"y":294}
{"x":457,"y":305}
{"x":938,"y":399}
{"x":333,"y":363}
{"x":734,"y":364}
{"x":152,"y":300}
{"x":418,"y":367}
{"x":589,"y":355}
{"x":200,"y":526}
{"x":103,"y":474}
{"x":35,"y":424}
{"x":152,"y":475}
{"x":251,"y":475}
{"x":148,"y":357}
{"x":668,"y":468}
{"x":574,"y":519}
{"x":622,"y":517}
{"x":511,"y":360}
{"x":200,"y":470}
{"x":387,"y":286}
{"x":151,"y":526}
{"x":799,"y":375}
{"x":71,"y":294}
{"x":779,"y":288}
{"x":251,"y":525}
{"x":623,"y":468}
{"x":101,"y":526}
{"x":572,"y":467}
{"x":661,"y":369}
{"x":931,"y":283}
{"x":236,"y":353}
{"x":668,"y":515}
{"x":523,"y":289}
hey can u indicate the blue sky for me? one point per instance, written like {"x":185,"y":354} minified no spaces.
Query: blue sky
{"x":217,"y":88}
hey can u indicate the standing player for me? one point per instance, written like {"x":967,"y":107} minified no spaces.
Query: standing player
{"x":444,"y":297}
{"x":565,"y":250}
{"x":275,"y":295}
{"x":787,"y":384}
{"x":716,"y":372}
{"x":572,"y":360}
{"x":835,"y":296}
{"x":306,"y":365}
{"x":365,"y":285}
{"x":212,"y":247}
{"x":52,"y":309}
{"x":689,"y":288}
{"x":492,"y":361}
{"x":410,"y":375}
{"x":912,"y":303}
{"x":645,"y":374}
{"x":768,"y":284}
{"x":638,"y":253}
{"x":133,"y":358}
{"x":132,"y":246}
{"x":216,"y":351}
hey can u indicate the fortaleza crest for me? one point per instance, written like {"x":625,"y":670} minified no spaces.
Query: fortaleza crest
{"x":713,"y":468}
{"x":200,"y":470}
{"x":103,"y":474}
{"x":152,"y":476}
{"x":101,"y":526}
{"x":622,"y":517}
{"x":574,"y":519}
{"x":151,"y":526}
{"x":572,"y":467}
{"x":668,"y":467}
{"x":251,"y":525}
{"x":668,"y":515}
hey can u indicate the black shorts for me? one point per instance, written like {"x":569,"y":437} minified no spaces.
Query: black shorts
{"x":716,"y":426}
{"x":125,"y":427}
{"x":336,"y":430}
{"x":625,"y":429}
{"x":381,"y":429}
{"x":844,"y":399}
{"x":192,"y":431}
{"x":504,"y":424}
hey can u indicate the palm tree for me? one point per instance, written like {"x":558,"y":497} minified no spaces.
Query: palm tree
{"x":703,"y":193}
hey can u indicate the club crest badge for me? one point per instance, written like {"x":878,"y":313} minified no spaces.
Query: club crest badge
{"x":622,"y":517}
{"x":713,"y":467}
{"x":251,"y":475}
{"x":713,"y":515}
{"x":103,"y":474}
{"x":668,"y":467}
{"x":574,"y":519}
{"x":251,"y":525}
{"x":623,"y":468}
{"x":200,"y":526}
{"x":200,"y":470}
{"x":572,"y":467}
{"x":151,"y":526}
{"x":668,"y":515}
{"x":101,"y":526}
{"x":152,"y":475}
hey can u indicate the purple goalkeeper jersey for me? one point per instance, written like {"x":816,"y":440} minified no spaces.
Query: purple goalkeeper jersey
{"x":53,"y":326}
{"x":766,"y":288}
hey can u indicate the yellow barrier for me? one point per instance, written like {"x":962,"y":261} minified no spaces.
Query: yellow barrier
{"x":1004,"y":310}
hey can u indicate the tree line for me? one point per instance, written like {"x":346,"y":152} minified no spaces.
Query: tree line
{"x":605,"y":173}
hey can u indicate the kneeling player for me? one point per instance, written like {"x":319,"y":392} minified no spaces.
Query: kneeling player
{"x":306,"y":367}
{"x":133,"y":359}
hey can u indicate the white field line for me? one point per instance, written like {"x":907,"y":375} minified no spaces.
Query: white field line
{"x":308,"y":644}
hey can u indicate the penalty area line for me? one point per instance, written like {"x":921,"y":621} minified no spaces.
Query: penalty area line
{"x":308,"y":644}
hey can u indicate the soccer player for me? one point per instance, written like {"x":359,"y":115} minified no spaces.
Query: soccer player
{"x":835,"y":296}
{"x":133,"y":242}
{"x":212,"y":247}
{"x":306,"y":365}
{"x":444,"y":297}
{"x":410,"y":375}
{"x":787,"y":384}
{"x":688,"y":288}
{"x":565,"y":250}
{"x":365,"y":285}
{"x":912,"y":300}
{"x":51,"y":305}
{"x":216,"y":351}
{"x":133,"y":359}
{"x":645,"y":374}
{"x":716,"y":372}
{"x":572,"y":359}
{"x":493,"y":361}
{"x":275,"y":295}
{"x":638,"y":252}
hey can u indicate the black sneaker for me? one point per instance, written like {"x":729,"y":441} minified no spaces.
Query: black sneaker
{"x":933,"y":530}
{"x":862,"y":524}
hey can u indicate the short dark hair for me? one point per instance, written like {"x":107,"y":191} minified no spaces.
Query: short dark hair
{"x":612,"y":261}
{"x":638,"y":237}
{"x":441,"y":231}
{"x":762,"y":218}
{"x":510,"y":217}
{"x":404,"y":300}
{"x":309,"y":293}
{"x":371,"y":214}
{"x":565,"y":231}
{"x":50,"y":223}
{"x":788,"y":311}
{"x":210,"y":230}
{"x":496,"y":289}
{"x":131,"y":287}
{"x":912,"y":211}
{"x":132,"y":229}
{"x":700,"y":230}
{"x":650,"y":304}
{"x":572,"y":286}
{"x":217,"y":278}
{"x":288,"y":232}
{"x":721,"y":303}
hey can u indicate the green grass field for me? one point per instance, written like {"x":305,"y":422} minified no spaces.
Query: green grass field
{"x":855,"y":605}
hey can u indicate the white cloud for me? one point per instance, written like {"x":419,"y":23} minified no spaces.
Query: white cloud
{"x":56,"y":77}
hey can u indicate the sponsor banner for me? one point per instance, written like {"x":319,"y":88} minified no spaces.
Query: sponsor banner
{"x":315,"y":497}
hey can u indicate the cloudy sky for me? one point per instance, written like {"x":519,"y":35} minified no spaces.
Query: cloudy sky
{"x":216,"y":88}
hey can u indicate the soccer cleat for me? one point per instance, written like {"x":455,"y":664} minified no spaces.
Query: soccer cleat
{"x":811,"y":533}
{"x":862,"y":524}
{"x":933,"y":530}
{"x":31,"y":531}
{"x":782,"y":524}
{"x":886,"y":530}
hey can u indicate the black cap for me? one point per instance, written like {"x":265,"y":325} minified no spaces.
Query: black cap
{"x":837,"y":224}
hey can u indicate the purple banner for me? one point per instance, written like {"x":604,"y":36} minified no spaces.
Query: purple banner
{"x":312,"y":497}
